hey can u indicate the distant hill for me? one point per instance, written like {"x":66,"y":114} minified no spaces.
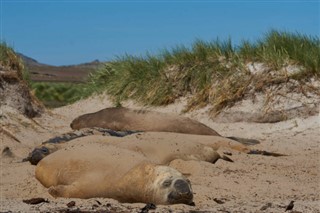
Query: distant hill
{"x":71,"y":73}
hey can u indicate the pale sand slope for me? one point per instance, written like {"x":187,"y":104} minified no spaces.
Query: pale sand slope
{"x":246,"y":185}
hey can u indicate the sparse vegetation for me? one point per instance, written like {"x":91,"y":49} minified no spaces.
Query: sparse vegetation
{"x":59,"y":94}
{"x":9,"y":59}
{"x":14,"y":84}
{"x":215,"y":73}
{"x":279,"y":49}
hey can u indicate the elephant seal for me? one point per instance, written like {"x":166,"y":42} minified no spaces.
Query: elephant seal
{"x":158,"y":147}
{"x":97,"y":170}
{"x":55,"y":143}
{"x":125,"y":119}
{"x":42,"y":151}
{"x":162,"y":148}
{"x":122,"y":119}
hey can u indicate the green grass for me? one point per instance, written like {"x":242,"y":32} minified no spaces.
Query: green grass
{"x":278,"y":49}
{"x":212,"y":73}
{"x":59,"y":94}
{"x":9,"y":59}
{"x":51,"y":94}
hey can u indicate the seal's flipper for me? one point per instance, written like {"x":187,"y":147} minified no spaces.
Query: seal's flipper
{"x":245,"y":141}
{"x":266,"y":153}
{"x":56,"y":191}
{"x":64,"y":191}
{"x":223,"y":157}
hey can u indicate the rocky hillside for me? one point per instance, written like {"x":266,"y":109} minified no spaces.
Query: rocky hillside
{"x":72,"y":73}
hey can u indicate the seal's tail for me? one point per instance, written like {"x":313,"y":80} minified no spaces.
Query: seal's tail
{"x":251,"y":142}
{"x":266,"y":153}
{"x":245,"y":141}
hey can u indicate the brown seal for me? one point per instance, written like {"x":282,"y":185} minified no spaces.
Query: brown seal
{"x":55,"y":143}
{"x":123,"y":119}
{"x":158,"y":147}
{"x":99,"y":170}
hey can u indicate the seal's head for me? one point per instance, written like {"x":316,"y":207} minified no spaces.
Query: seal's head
{"x":181,"y":192}
{"x":40,"y":152}
{"x":172,"y":186}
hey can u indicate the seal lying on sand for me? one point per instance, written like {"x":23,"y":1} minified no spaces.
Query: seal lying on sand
{"x":158,"y":150}
{"x":158,"y":146}
{"x":125,"y":119}
{"x":168,"y":148}
{"x":53,"y":144}
{"x":96,"y":170}
{"x":122,"y":119}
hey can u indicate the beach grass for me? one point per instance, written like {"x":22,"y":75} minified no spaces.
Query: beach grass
{"x":278,"y":49}
{"x":10,"y":60}
{"x":214,"y":73}
{"x":56,"y":94}
{"x":50,"y":93}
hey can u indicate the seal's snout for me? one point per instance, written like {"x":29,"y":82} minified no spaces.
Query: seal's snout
{"x":35,"y":157}
{"x":182,"y":192}
{"x":37,"y":154}
{"x":182,"y":187}
{"x":72,"y":125}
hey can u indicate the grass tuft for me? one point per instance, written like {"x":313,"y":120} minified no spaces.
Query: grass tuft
{"x":9,"y":59}
{"x":59,"y":94}
{"x":214,"y":73}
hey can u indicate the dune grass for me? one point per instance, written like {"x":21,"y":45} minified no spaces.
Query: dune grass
{"x":51,"y":94}
{"x":10,"y":60}
{"x":213,"y":73}
{"x":8,"y":57}
{"x":278,"y":49}
{"x":54,"y":94}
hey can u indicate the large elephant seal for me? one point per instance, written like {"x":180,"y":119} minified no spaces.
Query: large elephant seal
{"x":122,"y":119}
{"x":97,"y":170}
{"x":55,"y":143}
{"x":158,"y":147}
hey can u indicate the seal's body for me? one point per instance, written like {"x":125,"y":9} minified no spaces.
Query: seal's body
{"x":96,"y":170}
{"x":124,"y":119}
{"x":159,"y":147}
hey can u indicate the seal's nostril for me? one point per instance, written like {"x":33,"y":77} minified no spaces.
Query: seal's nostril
{"x":182,"y":186}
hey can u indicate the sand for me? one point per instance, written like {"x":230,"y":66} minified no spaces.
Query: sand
{"x":252,"y":183}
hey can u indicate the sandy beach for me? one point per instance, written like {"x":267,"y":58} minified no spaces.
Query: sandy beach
{"x":253,"y":183}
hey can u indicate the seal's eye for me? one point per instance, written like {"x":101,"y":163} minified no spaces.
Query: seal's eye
{"x":167,"y":183}
{"x":44,"y":150}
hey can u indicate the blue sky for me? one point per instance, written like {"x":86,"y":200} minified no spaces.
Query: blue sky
{"x":71,"y":32}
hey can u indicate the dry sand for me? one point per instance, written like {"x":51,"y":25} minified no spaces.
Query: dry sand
{"x":251,"y":184}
